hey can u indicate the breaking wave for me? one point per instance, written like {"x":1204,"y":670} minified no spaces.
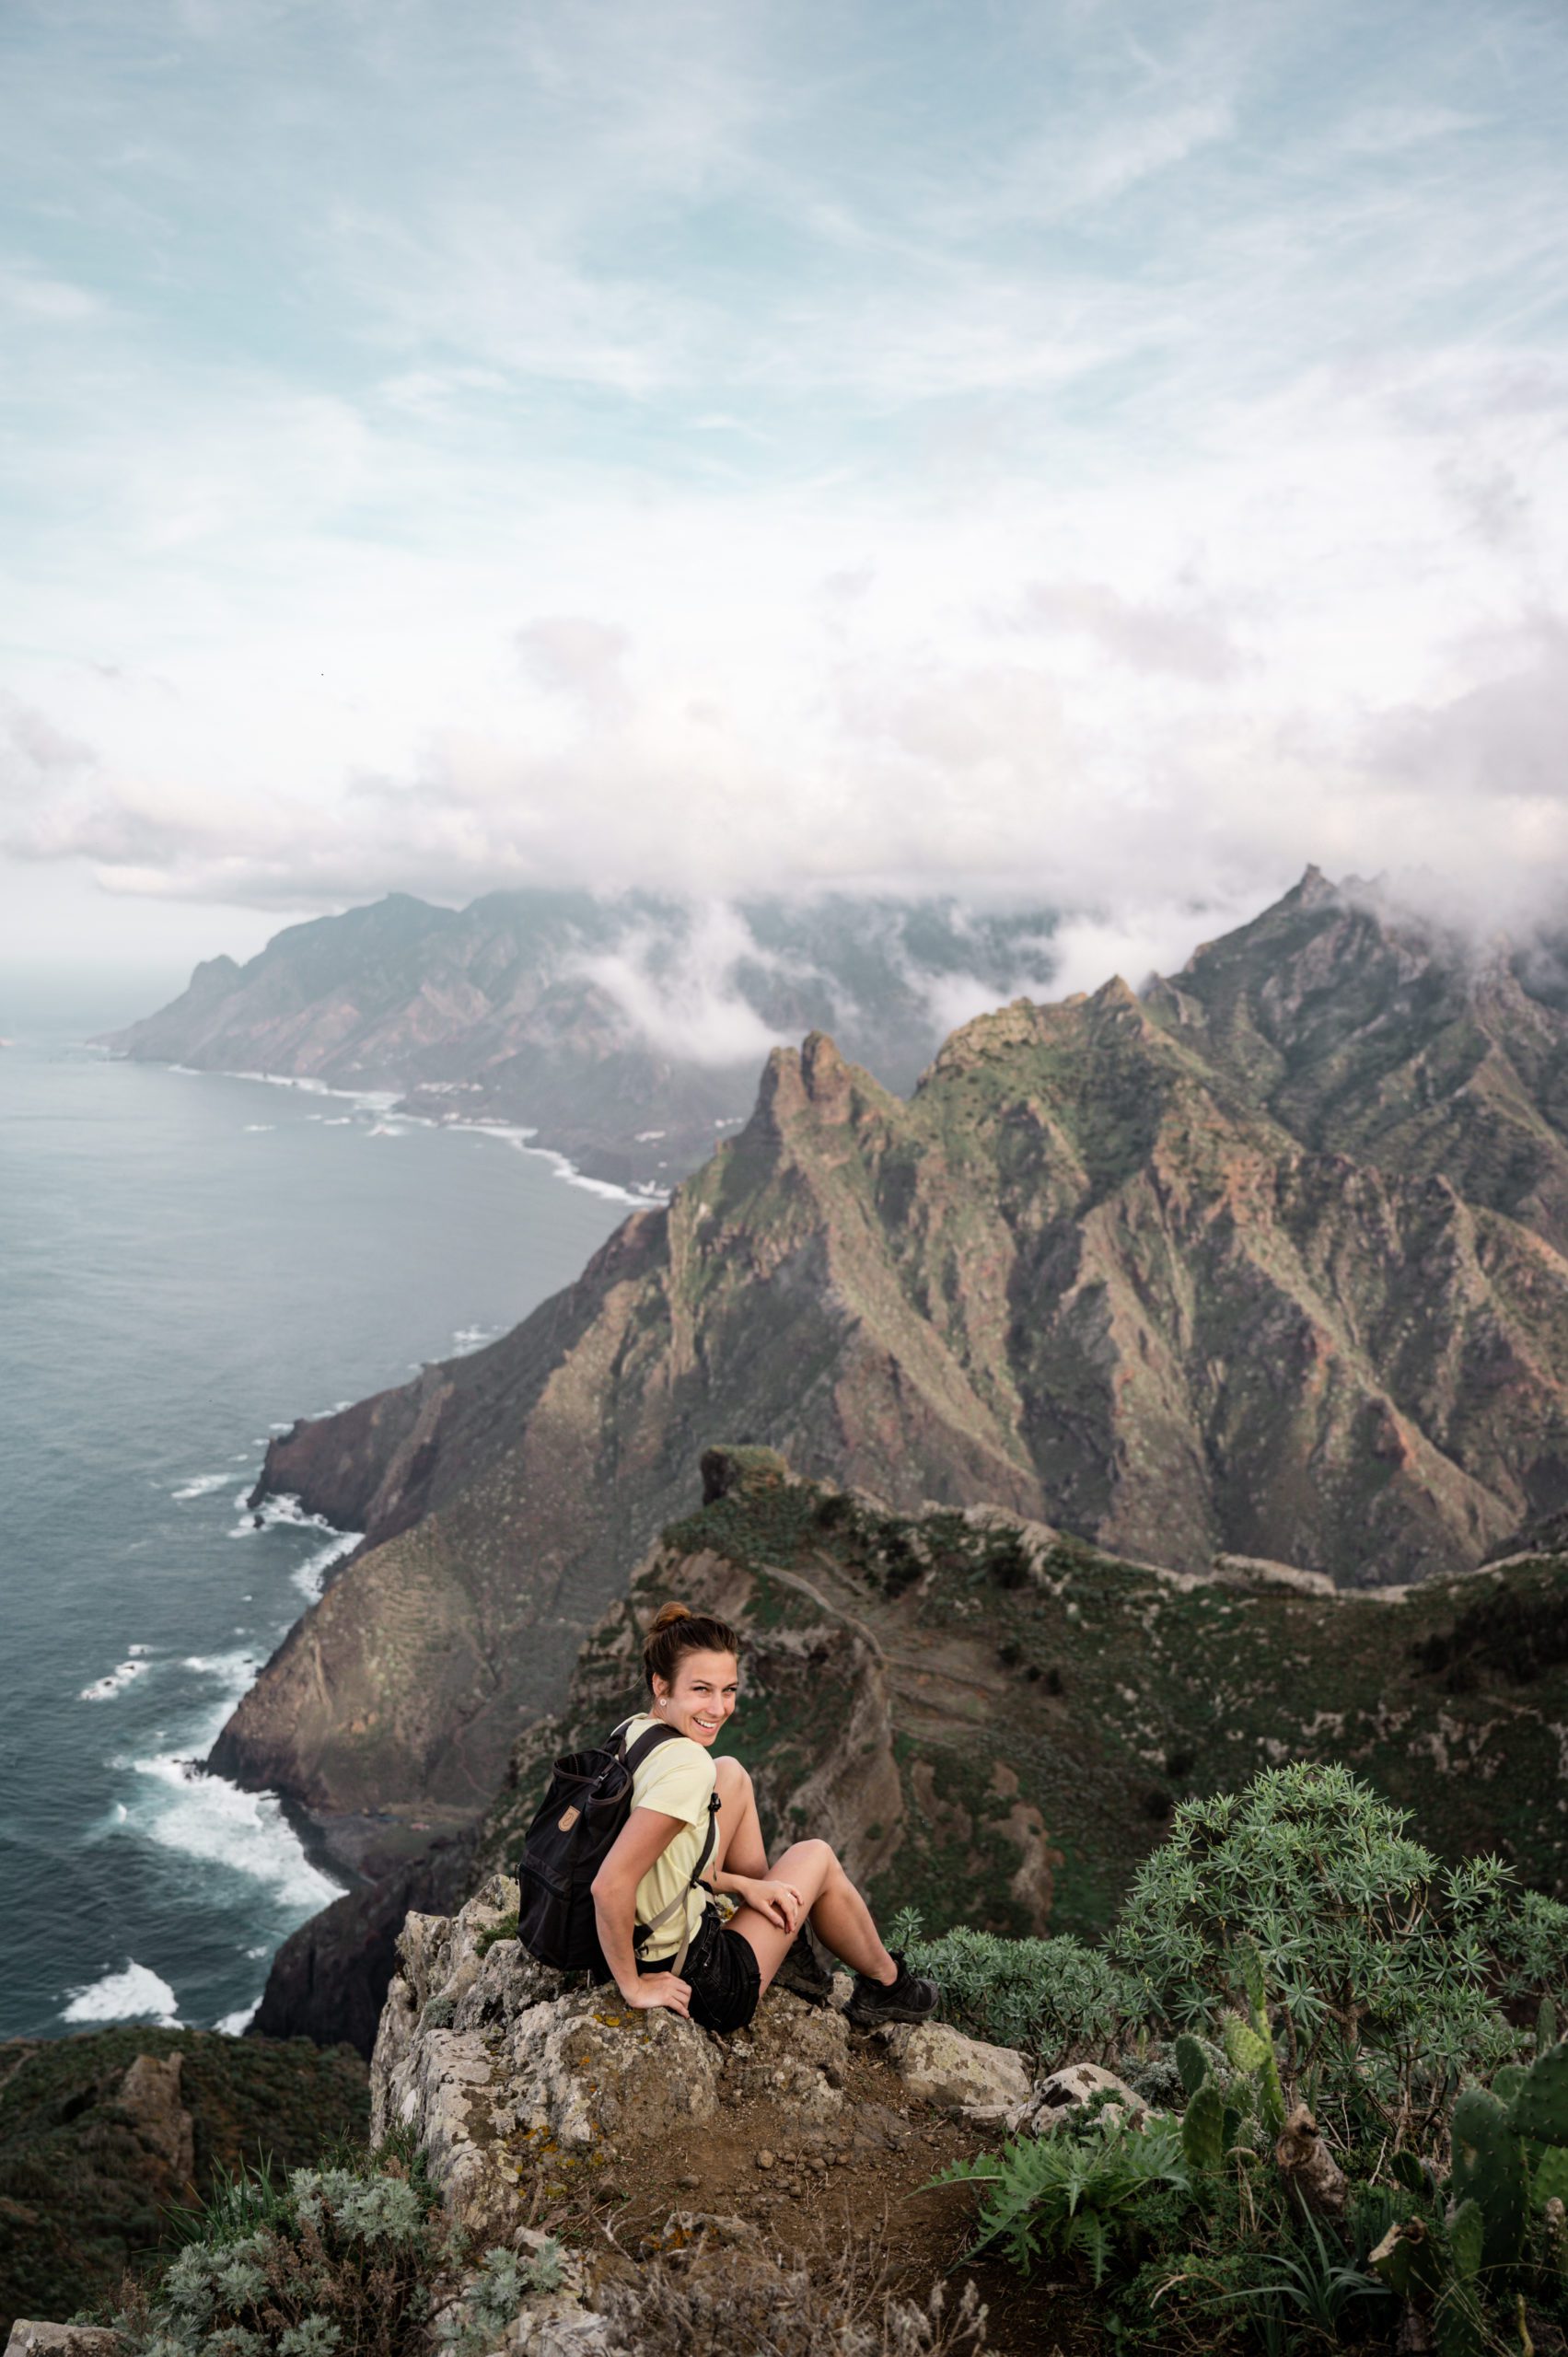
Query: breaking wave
{"x":136,"y":1994}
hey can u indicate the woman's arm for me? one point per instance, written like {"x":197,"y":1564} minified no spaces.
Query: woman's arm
{"x":641,"y":1842}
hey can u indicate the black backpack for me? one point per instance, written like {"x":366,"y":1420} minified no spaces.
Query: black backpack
{"x":588,"y":1802}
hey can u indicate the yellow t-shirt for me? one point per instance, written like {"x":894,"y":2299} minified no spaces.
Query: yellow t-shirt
{"x":677,"y":1777}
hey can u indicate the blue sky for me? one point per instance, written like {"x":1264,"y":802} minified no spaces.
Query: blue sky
{"x":1109,"y":454}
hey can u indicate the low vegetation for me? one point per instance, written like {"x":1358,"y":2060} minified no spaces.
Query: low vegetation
{"x":350,"y":2259}
{"x":81,"y":2195}
{"x":1358,"y":2102}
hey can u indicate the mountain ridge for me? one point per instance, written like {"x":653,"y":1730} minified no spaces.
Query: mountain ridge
{"x":622,"y":1032}
{"x":1086,"y":1272}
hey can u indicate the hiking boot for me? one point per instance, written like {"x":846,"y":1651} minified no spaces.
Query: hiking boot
{"x":802,"y":1973}
{"x":911,"y":1998}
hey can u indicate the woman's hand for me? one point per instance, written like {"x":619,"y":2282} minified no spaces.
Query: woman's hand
{"x":652,"y":1990}
{"x":779,"y":1902}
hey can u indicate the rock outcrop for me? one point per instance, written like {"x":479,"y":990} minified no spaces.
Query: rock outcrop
{"x":29,"y":2339}
{"x":522,"y":2091}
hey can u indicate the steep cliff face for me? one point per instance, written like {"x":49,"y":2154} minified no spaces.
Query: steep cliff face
{"x":621,"y":1031}
{"x":1087,"y":1272}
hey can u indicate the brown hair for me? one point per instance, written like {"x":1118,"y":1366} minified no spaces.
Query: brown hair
{"x":676,"y":1630}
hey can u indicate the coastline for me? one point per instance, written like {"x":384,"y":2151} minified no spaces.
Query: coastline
{"x":392,"y":1104}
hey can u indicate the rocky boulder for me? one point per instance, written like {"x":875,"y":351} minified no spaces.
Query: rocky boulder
{"x":1061,"y":2095}
{"x":531,"y":2095}
{"x":942,"y":2067}
{"x":29,"y":2339}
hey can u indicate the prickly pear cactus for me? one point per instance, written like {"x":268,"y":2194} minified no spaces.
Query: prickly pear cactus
{"x":1458,"y":2327}
{"x":1467,"y":2240}
{"x":1489,"y":2169}
{"x":1203,"y":2128}
{"x":1191,"y":2061}
{"x":1244,"y":2049}
{"x":1249,"y":1965}
{"x":1539,"y":2105}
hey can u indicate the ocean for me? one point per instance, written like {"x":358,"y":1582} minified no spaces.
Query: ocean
{"x":187,"y":1263}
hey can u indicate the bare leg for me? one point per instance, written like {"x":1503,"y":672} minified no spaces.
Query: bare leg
{"x":738,"y":1843}
{"x":840,"y":1917}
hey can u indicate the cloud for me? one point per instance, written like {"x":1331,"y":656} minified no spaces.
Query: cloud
{"x":1187,"y":639}
{"x":577,"y":657}
{"x":1502,"y":740}
{"x":1096,"y":463}
{"x":32,"y":294}
{"x":686,"y":1000}
{"x":1137,"y":942}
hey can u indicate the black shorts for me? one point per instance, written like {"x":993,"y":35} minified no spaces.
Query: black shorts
{"x":726,"y":1978}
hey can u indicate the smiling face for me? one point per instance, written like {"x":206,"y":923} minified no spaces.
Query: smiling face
{"x":700,"y":1697}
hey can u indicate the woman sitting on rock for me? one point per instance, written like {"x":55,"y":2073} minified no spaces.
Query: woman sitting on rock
{"x":665,"y":1937}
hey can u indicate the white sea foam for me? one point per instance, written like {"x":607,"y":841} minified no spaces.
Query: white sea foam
{"x":235,"y":1669}
{"x":205,"y":1817}
{"x":116,"y":1680}
{"x":201,"y":1486}
{"x":235,"y":2025}
{"x":378,"y":1102}
{"x":310,"y":1577}
{"x":284,"y":1510}
{"x":473,"y":1338}
{"x":255,"y":1129}
{"x":568,"y":1170}
{"x":137,"y":1994}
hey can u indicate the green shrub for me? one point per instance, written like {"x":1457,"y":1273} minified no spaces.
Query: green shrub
{"x":1299,"y":1945}
{"x":1055,"y":1998}
{"x":1091,"y":2196}
{"x":506,"y":1929}
{"x":340,"y":2259}
{"x":1386,"y":1969}
{"x":505,"y":2280}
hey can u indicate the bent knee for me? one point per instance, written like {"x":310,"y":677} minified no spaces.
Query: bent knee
{"x":818,"y":1857}
{"x":731,"y":1781}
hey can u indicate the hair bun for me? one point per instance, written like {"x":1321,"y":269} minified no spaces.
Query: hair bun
{"x":667,"y":1613}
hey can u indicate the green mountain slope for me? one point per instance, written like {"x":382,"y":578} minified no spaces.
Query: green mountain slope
{"x":994,"y":1721}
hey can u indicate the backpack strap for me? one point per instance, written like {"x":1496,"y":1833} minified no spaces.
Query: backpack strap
{"x":646,"y":1743}
{"x":678,"y":1958}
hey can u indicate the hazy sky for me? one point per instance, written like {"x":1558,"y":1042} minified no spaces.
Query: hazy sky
{"x":1108,"y":454}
